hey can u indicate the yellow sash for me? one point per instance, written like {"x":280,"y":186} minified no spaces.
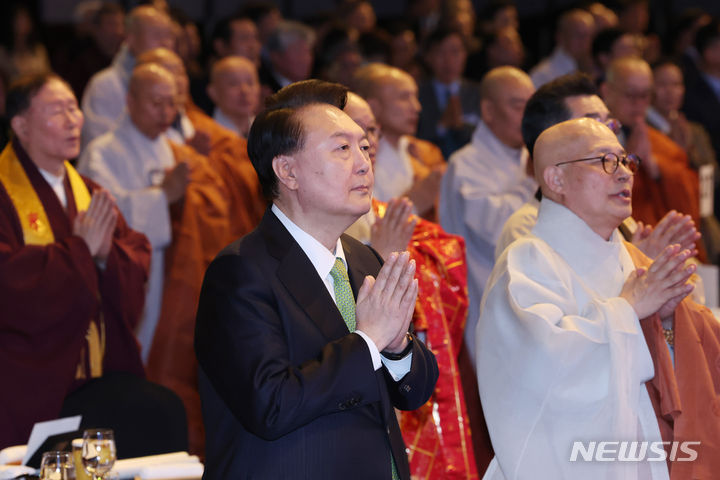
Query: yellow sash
{"x":37,"y":231}
{"x":30,"y":210}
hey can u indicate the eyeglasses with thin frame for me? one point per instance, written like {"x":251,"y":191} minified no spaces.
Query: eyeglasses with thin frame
{"x":610,"y":162}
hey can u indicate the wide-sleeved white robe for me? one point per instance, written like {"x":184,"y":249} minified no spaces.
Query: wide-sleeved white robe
{"x":561,"y":357}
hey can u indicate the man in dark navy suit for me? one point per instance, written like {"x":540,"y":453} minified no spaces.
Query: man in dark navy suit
{"x":302,"y":332}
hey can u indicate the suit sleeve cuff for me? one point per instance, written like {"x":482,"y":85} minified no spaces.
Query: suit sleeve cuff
{"x":374,"y":352}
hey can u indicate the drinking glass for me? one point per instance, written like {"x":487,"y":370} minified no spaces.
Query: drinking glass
{"x":57,"y":466}
{"x":98,"y":452}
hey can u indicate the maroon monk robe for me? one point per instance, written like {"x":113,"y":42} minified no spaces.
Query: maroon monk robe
{"x":48,"y":296}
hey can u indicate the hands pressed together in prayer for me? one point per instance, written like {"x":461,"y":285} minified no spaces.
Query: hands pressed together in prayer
{"x":638,"y":142}
{"x":97,"y":224}
{"x":673,"y":228}
{"x":201,"y":143}
{"x":392,"y":232}
{"x":660,"y":288}
{"x":424,"y":190}
{"x":175,"y":181}
{"x":452,"y":117}
{"x":385,"y":304}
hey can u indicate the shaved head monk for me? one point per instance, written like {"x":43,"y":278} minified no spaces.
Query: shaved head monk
{"x":235,"y":90}
{"x":568,"y":304}
{"x":226,"y":153}
{"x":104,"y":98}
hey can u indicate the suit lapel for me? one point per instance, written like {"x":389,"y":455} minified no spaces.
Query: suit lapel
{"x":300,"y":278}
{"x":356,"y":271}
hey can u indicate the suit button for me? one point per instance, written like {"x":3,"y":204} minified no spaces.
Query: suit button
{"x":406,"y":388}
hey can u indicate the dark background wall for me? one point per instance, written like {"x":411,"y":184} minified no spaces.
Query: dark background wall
{"x":60,"y":11}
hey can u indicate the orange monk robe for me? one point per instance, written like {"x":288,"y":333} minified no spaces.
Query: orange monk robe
{"x":438,"y":434}
{"x":686,"y":396}
{"x":426,"y":156}
{"x":200,"y":229}
{"x":228,"y":156}
{"x":677,"y":189}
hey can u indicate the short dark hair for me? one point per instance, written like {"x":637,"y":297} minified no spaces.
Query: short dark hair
{"x":307,"y":92}
{"x":707,"y":35}
{"x":107,"y":8}
{"x":257,"y":11}
{"x":222,"y":30}
{"x":437,"y":36}
{"x":277,"y":130}
{"x":21,"y":92}
{"x":547,"y":107}
{"x":605,"y":39}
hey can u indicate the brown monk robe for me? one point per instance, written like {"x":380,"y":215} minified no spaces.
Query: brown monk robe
{"x":425,"y":157}
{"x":68,"y":305}
{"x":228,"y":156}
{"x":686,"y":393}
{"x":665,"y":181}
{"x":226,"y":151}
{"x":677,"y":188}
{"x":200,"y":229}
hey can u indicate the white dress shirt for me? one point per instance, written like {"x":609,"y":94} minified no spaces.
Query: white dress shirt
{"x":323,"y":260}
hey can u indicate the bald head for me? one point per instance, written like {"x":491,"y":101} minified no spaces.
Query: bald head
{"x":148,"y":28}
{"x":235,"y":88}
{"x":231,"y":64}
{"x":627,"y":90}
{"x":393,"y":96}
{"x":504,"y":92}
{"x":502,"y":78}
{"x":151,"y":99}
{"x":601,"y":199}
{"x":359,"y":110}
{"x":575,"y":33}
{"x":169,"y":60}
{"x":369,"y":79}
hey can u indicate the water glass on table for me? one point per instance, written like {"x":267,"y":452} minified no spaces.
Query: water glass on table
{"x":57,"y":466}
{"x":98,"y":452}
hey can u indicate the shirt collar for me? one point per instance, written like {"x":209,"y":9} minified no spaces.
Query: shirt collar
{"x":320,"y":257}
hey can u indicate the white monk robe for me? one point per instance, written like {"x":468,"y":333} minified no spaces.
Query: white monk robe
{"x":561,"y":357}
{"x":103,"y":101}
{"x":132,"y":166}
{"x":559,"y":63}
{"x":484,"y":184}
{"x":394,"y":174}
{"x":518,"y":225}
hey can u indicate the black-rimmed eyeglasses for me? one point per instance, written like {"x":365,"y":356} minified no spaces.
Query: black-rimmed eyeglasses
{"x":610,"y":162}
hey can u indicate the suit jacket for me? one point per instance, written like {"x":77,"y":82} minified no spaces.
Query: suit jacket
{"x":702,"y":106}
{"x":287,"y":391}
{"x":431,"y":114}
